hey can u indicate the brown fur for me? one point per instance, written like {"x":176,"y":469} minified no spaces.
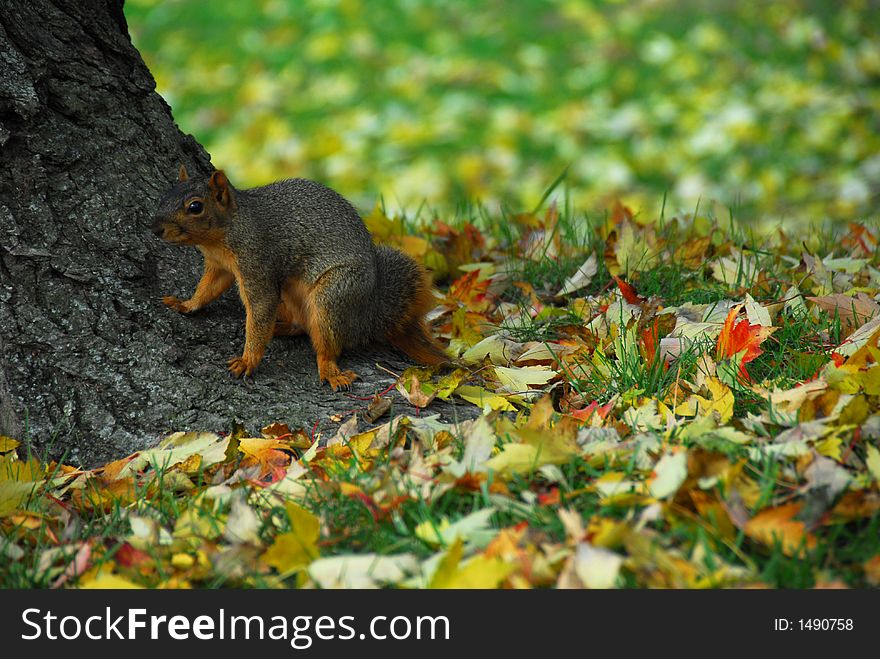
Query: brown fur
{"x":343,"y":292}
{"x":410,"y":334}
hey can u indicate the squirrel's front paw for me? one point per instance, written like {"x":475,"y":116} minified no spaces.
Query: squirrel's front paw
{"x":342,"y":380}
{"x":181,"y":306}
{"x":239,"y":366}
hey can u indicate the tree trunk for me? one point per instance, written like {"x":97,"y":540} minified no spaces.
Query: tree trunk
{"x":91,"y":363}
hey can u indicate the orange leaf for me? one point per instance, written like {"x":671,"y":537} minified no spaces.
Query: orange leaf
{"x":585,"y":413}
{"x":737,"y":337}
{"x":777,"y":525}
{"x":619,"y":212}
{"x":275,"y":430}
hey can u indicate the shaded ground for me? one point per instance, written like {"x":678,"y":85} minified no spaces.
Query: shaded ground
{"x":174,"y":377}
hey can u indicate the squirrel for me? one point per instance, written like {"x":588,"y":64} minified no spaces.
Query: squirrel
{"x":305,"y":263}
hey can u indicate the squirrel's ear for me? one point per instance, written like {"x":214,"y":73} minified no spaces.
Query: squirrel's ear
{"x":182,"y":175}
{"x":219,"y":186}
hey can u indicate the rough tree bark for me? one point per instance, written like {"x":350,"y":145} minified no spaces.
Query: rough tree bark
{"x":91,"y":363}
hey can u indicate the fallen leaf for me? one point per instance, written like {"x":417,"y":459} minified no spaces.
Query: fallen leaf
{"x":628,"y":292}
{"x":596,"y":567}
{"x":778,"y":525}
{"x":741,"y":339}
{"x":581,"y":277}
{"x":298,"y":547}
{"x":109,"y":582}
{"x":479,"y":572}
{"x":361,"y":570}
{"x":670,"y":472}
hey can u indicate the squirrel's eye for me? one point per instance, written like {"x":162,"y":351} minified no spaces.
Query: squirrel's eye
{"x":194,"y":207}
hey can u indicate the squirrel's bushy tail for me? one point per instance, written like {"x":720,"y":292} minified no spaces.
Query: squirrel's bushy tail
{"x":403,"y":298}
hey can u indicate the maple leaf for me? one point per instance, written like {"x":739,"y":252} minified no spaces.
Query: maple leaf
{"x":265,"y":452}
{"x":298,"y":547}
{"x":479,"y":572}
{"x":469,"y":291}
{"x":741,"y":337}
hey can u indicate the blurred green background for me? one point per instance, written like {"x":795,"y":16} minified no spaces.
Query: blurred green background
{"x":769,"y":108}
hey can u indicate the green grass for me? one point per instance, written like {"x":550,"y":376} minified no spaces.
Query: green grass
{"x":689,"y":102}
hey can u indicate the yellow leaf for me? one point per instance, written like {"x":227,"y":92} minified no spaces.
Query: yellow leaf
{"x":447,"y":384}
{"x":362,"y":442}
{"x":873,"y":462}
{"x":432,"y":532}
{"x":298,"y":547}
{"x":7,"y":443}
{"x":518,"y":379}
{"x":479,"y":572}
{"x":830,"y":447}
{"x":175,"y":449}
{"x":632,"y":251}
{"x":871,"y":380}
{"x":109,"y":581}
{"x":13,"y":469}
{"x":720,"y":402}
{"x":483,"y":398}
{"x":256,"y":446}
{"x":498,"y":349}
{"x":383,"y":227}
{"x":540,"y":448}
{"x":722,"y":399}
{"x":194,"y":525}
{"x":13,"y":494}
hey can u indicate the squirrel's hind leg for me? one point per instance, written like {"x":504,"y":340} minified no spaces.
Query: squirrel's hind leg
{"x":330,"y":306}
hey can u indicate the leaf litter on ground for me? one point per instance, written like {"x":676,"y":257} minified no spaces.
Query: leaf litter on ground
{"x":716,"y":428}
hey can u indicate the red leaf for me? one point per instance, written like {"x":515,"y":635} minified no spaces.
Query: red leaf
{"x":629,"y":293}
{"x":471,"y":293}
{"x":128,"y":556}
